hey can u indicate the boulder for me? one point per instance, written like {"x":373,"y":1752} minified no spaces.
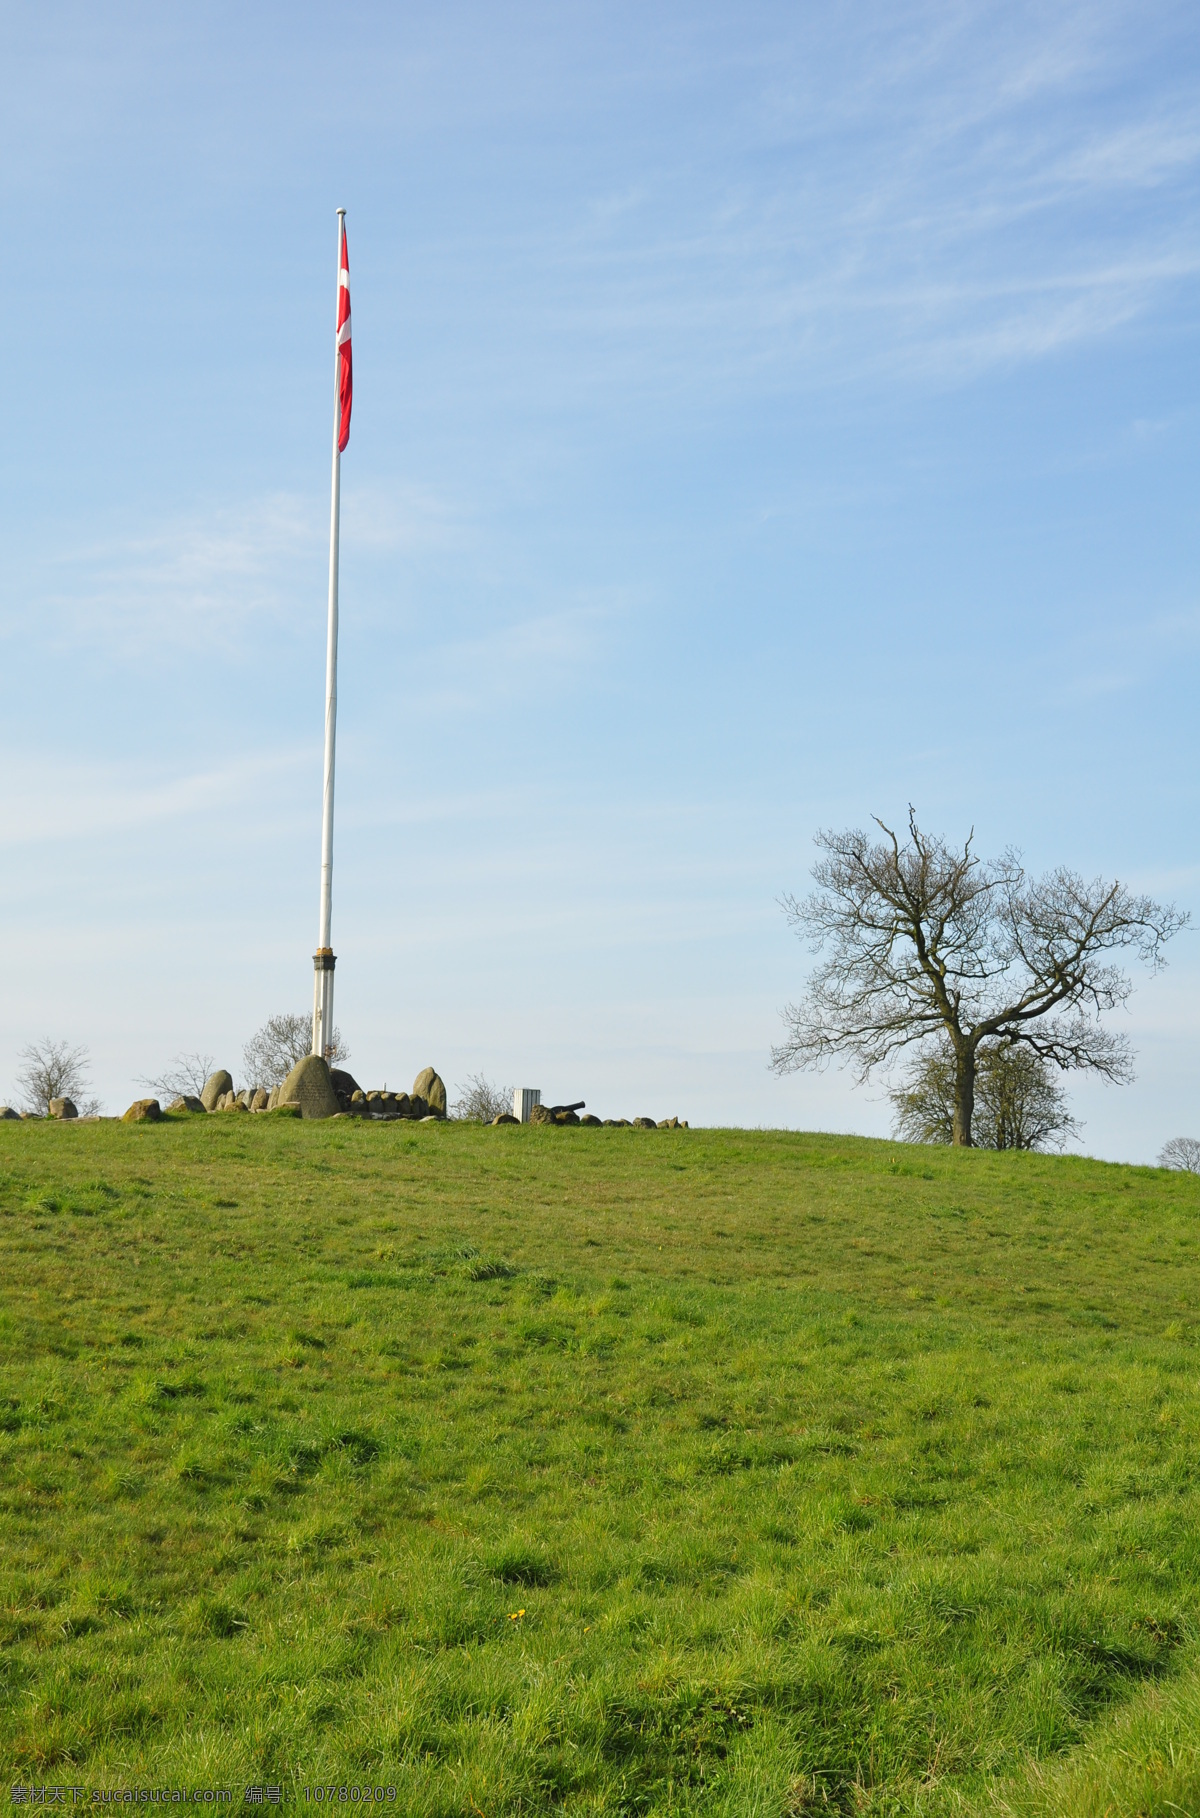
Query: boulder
{"x":566,"y":1117}
{"x":261,"y":1099}
{"x":432,"y":1088}
{"x":589,"y":1119}
{"x":143,"y":1111}
{"x":7,"y":1111}
{"x":215,"y":1087}
{"x":344,"y":1082}
{"x":245,"y":1097}
{"x":541,"y":1114}
{"x":309,"y":1085}
{"x":272,"y":1098}
{"x":186,"y":1102}
{"x":506,"y":1117}
{"x":644,"y":1123}
{"x":417,"y":1107}
{"x":231,"y":1102}
{"x":62,"y":1107}
{"x":402,"y":1105}
{"x":282,"y":1111}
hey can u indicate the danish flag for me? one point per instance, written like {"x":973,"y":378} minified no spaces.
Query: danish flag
{"x":345,"y":361}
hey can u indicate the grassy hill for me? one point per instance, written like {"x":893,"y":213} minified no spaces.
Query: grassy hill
{"x":598,"y":1471}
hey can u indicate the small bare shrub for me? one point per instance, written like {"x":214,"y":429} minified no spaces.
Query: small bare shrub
{"x":479,"y":1101}
{"x":183,"y":1078}
{"x":1181,"y":1152}
{"x":273,"y":1050}
{"x":53,"y":1069}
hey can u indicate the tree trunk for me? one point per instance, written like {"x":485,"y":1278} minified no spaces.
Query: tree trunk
{"x":964,"y":1098}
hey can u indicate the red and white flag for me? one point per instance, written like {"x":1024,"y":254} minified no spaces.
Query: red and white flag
{"x":345,"y":362}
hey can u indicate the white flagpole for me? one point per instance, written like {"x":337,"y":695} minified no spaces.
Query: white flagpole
{"x":323,"y":958}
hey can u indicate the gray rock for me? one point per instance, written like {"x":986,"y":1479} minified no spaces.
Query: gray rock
{"x":7,"y":1111}
{"x":215,"y":1087}
{"x":261,"y":1099}
{"x":246,"y":1097}
{"x":417,"y":1107}
{"x":506,"y":1117}
{"x":272,"y":1098}
{"x":143,"y":1111}
{"x":644,"y":1123}
{"x":432,"y":1088}
{"x":541,"y":1114}
{"x":63,"y":1107}
{"x":402,"y":1104}
{"x":310,"y":1086}
{"x":186,"y":1102}
{"x":431,"y":1117}
{"x":589,"y":1119}
{"x":344,"y":1082}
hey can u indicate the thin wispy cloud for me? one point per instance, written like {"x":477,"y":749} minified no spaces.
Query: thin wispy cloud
{"x":519,"y":660}
{"x":52,"y":798}
{"x":188,"y":579}
{"x":220,"y":577}
{"x":953,"y":208}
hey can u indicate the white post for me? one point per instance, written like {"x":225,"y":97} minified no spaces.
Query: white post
{"x":323,"y":958}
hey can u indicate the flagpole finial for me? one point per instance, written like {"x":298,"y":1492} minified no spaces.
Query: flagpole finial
{"x":341,"y":211}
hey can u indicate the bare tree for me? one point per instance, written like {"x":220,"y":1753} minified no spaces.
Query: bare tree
{"x":1018,"y":1103}
{"x":55,"y":1070}
{"x":273,"y":1050}
{"x":184,"y":1078}
{"x":1181,"y":1152}
{"x":928,"y":943}
{"x":479,"y":1101}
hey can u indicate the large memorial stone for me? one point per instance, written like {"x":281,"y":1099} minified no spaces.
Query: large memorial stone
{"x":215,"y":1086}
{"x":432,"y":1088}
{"x":62,"y":1107}
{"x":310,"y":1086}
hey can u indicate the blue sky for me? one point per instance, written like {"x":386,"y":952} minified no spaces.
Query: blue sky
{"x":765,"y":417}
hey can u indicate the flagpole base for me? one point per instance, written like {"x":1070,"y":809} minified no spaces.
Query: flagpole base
{"x":324,"y":962}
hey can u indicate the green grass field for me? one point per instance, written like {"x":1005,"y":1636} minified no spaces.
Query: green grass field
{"x":598,"y":1471}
